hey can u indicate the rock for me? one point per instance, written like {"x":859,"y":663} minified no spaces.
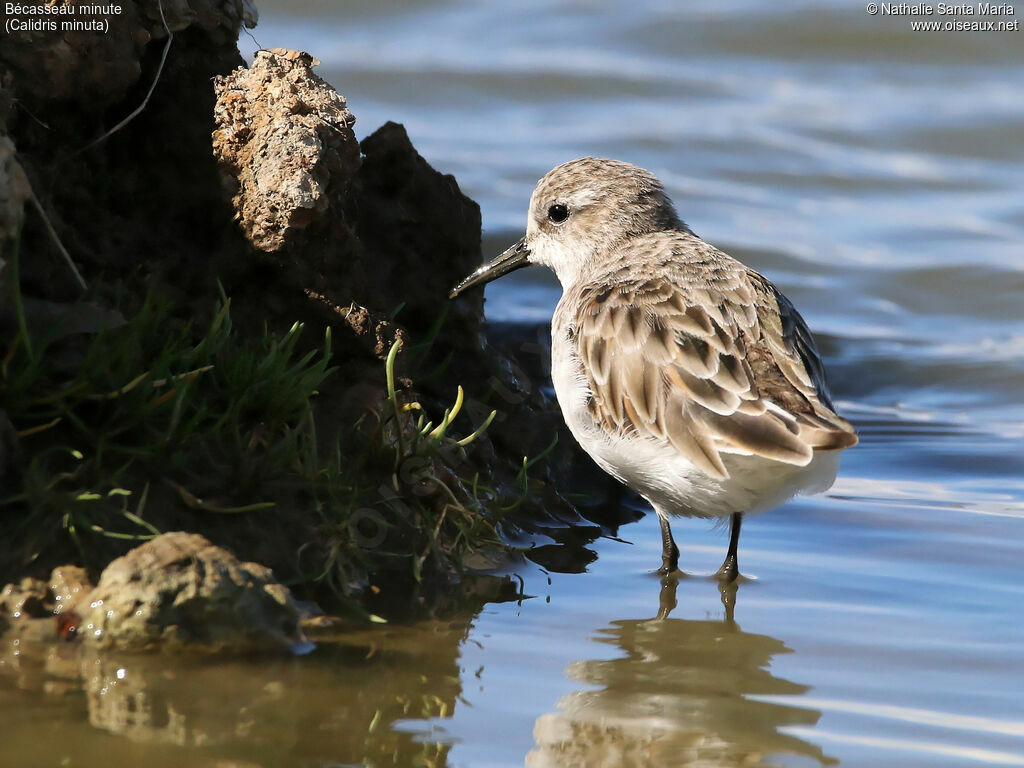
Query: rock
{"x":209,"y":15}
{"x":284,"y":139}
{"x":8,"y":439}
{"x":421,"y":236}
{"x":180,"y":591}
{"x":65,"y":590}
{"x":26,"y":599}
{"x":14,"y":191}
{"x":368,"y":244}
{"x":375,"y":331}
{"x":70,"y":588}
{"x":99,"y":66}
{"x":62,"y":91}
{"x":29,"y":608}
{"x":90,"y":66}
{"x":382,"y":232}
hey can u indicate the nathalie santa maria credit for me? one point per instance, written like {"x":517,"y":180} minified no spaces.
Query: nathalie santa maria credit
{"x":946,"y":9}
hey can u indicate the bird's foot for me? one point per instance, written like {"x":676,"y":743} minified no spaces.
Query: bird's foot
{"x":729,"y":572}
{"x":669,"y":567}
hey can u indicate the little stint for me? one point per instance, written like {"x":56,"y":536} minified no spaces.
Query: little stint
{"x":683,"y":373}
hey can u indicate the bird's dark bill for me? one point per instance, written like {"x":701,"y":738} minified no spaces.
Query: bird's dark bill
{"x":515,"y":257}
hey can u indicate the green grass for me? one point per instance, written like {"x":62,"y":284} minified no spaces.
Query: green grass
{"x":158,"y":425}
{"x":404,"y":487}
{"x":108,"y":421}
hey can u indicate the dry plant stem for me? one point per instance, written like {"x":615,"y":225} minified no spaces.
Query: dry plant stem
{"x":56,"y":240}
{"x":28,"y":112}
{"x":152,"y":87}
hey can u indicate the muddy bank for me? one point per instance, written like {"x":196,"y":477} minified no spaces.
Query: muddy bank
{"x":225,"y":313}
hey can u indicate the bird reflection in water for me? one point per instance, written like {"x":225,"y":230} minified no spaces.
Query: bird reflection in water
{"x":678,"y":696}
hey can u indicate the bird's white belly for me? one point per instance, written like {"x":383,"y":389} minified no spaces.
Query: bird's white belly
{"x":663,"y":476}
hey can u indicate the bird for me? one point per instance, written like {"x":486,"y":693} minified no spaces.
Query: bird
{"x":683,"y":373}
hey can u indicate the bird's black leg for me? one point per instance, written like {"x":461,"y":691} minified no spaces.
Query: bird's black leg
{"x":669,"y":550}
{"x":730,"y":567}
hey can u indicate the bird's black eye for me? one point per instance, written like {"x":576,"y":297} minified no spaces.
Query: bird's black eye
{"x":558,"y":213}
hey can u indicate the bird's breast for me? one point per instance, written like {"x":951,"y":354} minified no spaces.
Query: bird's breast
{"x":655,"y":470}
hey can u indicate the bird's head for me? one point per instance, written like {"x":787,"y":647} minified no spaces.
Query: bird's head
{"x":578,"y":212}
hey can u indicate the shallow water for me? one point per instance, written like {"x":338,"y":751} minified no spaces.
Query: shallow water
{"x":876,"y":175}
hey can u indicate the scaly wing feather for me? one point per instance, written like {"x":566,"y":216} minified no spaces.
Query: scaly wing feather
{"x":724,"y":365}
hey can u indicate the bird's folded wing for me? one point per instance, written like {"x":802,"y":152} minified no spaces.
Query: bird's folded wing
{"x":728,"y":366}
